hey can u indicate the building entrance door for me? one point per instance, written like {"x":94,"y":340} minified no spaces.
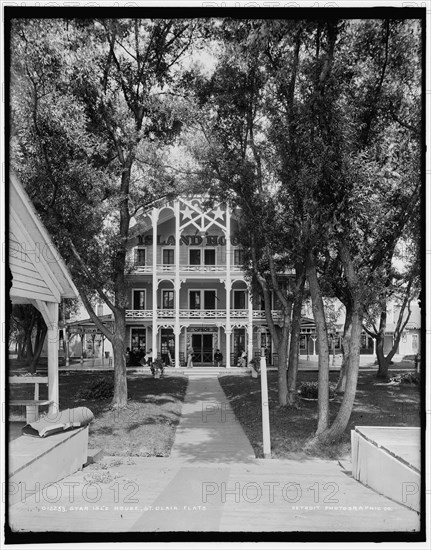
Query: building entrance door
{"x":202,"y":345}
{"x":167,"y":345}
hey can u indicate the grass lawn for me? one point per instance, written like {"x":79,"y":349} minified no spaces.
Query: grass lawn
{"x":375,"y":405}
{"x":145,"y":428}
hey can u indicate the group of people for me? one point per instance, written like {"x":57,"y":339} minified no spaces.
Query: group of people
{"x":138,"y":357}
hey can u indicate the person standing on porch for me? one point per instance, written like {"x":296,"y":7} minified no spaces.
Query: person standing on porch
{"x":218,"y":357}
{"x":190,"y":353}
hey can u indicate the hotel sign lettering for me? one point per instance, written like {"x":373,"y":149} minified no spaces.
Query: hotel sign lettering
{"x":188,"y":240}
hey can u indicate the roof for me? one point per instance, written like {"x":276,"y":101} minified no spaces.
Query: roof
{"x":87,"y":326}
{"x":88,"y":322}
{"x":38,"y":270}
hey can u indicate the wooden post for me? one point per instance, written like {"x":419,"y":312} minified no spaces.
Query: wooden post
{"x":177,"y":285}
{"x":82,"y":345}
{"x":154,"y":219}
{"x":266,"y":435}
{"x":228,"y":286}
{"x":250,"y":328}
{"x":49,"y":312}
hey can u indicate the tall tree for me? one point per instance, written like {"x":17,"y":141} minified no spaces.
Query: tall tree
{"x":88,"y":99}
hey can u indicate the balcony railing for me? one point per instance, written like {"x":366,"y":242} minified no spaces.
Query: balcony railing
{"x":199,"y":314}
{"x":170,"y":268}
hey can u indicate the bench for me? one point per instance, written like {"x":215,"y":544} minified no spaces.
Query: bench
{"x":31,"y":405}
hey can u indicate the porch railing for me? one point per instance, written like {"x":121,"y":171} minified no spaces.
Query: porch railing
{"x":170,"y":268}
{"x":198,"y":314}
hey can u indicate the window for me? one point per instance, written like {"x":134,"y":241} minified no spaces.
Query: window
{"x":238,"y":256}
{"x":168,"y":256}
{"x":99,"y":310}
{"x":139,"y":299}
{"x":139,"y":256}
{"x":195,"y":299}
{"x":210,"y":256}
{"x":206,"y":297}
{"x":209,"y":299}
{"x":195,"y":256}
{"x":239,"y":299}
{"x":415,"y":342}
{"x":168,"y":299}
{"x":137,"y":339}
{"x":302,"y":342}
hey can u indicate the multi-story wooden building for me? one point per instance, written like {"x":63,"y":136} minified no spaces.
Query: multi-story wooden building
{"x":187,"y":286}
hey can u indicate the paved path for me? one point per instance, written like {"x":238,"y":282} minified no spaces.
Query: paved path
{"x":208,"y":429}
{"x":211,"y":482}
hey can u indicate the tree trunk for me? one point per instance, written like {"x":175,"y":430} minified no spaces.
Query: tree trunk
{"x":347,"y":336}
{"x":28,"y":353}
{"x":283,"y":352}
{"x":282,"y":372}
{"x":381,"y":359}
{"x":120,"y":371}
{"x":322,"y":338}
{"x":119,"y":337}
{"x":20,"y":354}
{"x":40,"y":339}
{"x":352,"y":369}
{"x":295,"y":331}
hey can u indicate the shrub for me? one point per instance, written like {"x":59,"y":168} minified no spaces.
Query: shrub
{"x":310,"y":390}
{"x":406,"y":378}
{"x":255,"y":364}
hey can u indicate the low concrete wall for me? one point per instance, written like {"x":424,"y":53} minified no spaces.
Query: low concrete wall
{"x":35,"y":463}
{"x":376,"y":468}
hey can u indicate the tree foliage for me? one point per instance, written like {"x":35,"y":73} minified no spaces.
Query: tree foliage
{"x":89,"y":105}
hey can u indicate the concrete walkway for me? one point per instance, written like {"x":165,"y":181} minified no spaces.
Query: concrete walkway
{"x":208,"y":430}
{"x":211,"y":482}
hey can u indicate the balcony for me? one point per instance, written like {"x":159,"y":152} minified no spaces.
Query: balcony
{"x":170,"y":268}
{"x":147,"y":314}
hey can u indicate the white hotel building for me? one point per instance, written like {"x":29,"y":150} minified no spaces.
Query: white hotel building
{"x":187,"y":286}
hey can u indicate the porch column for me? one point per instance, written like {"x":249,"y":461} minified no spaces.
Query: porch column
{"x":228,"y":285}
{"x":154,"y":218}
{"x":177,"y":285}
{"x":67,"y":335}
{"x":228,"y":335}
{"x":49,"y":311}
{"x":250,"y":327}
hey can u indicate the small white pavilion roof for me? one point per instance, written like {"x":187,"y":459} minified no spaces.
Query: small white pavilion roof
{"x":38,"y":271}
